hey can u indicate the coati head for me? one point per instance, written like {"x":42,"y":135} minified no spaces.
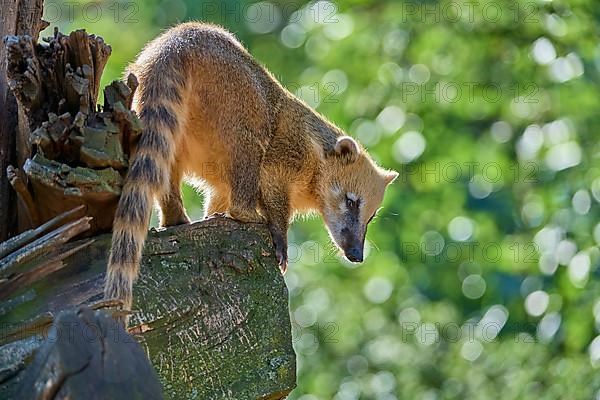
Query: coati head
{"x":351,"y":192}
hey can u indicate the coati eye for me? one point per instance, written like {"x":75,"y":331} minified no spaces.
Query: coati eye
{"x":350,"y":203}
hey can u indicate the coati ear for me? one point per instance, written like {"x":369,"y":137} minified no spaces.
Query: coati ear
{"x":390,"y":176}
{"x":347,"y":147}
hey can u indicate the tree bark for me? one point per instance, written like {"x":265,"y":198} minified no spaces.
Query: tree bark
{"x":211,"y":311}
{"x":17,"y":17}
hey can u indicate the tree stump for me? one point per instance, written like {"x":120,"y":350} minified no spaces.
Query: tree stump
{"x":210,"y":310}
{"x":71,"y":150}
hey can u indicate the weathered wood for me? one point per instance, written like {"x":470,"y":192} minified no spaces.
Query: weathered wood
{"x":210,"y":309}
{"x":24,"y":195}
{"x":29,"y":236}
{"x":16,"y":18}
{"x":43,"y":268}
{"x":89,"y":357}
{"x":81,"y":150}
{"x":43,"y":245}
{"x":43,"y":322}
{"x":58,"y":187}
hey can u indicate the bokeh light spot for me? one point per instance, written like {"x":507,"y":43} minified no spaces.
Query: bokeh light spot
{"x":473,"y":286}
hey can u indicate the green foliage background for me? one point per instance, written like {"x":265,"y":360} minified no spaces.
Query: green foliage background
{"x":482,"y":275}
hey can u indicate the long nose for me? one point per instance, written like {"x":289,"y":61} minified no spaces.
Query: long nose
{"x":352,"y":246}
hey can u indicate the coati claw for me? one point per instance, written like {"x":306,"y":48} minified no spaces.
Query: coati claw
{"x":282,"y":259}
{"x":217,"y":215}
{"x":282,"y":265}
{"x":280,"y":244}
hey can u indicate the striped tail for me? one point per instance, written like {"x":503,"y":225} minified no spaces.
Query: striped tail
{"x":148,"y":178}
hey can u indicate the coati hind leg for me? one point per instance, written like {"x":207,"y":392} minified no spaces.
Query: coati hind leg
{"x":172,"y":211}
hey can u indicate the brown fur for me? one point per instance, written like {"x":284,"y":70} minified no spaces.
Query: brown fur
{"x":213,"y":115}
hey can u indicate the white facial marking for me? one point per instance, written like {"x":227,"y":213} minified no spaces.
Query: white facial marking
{"x":352,"y":196}
{"x":336,"y":190}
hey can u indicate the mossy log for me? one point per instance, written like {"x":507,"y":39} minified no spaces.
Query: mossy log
{"x":210,"y":310}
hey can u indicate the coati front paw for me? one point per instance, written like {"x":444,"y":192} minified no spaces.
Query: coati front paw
{"x":217,"y":215}
{"x":280,"y":244}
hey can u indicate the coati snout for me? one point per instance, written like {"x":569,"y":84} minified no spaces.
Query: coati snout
{"x":352,"y":246}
